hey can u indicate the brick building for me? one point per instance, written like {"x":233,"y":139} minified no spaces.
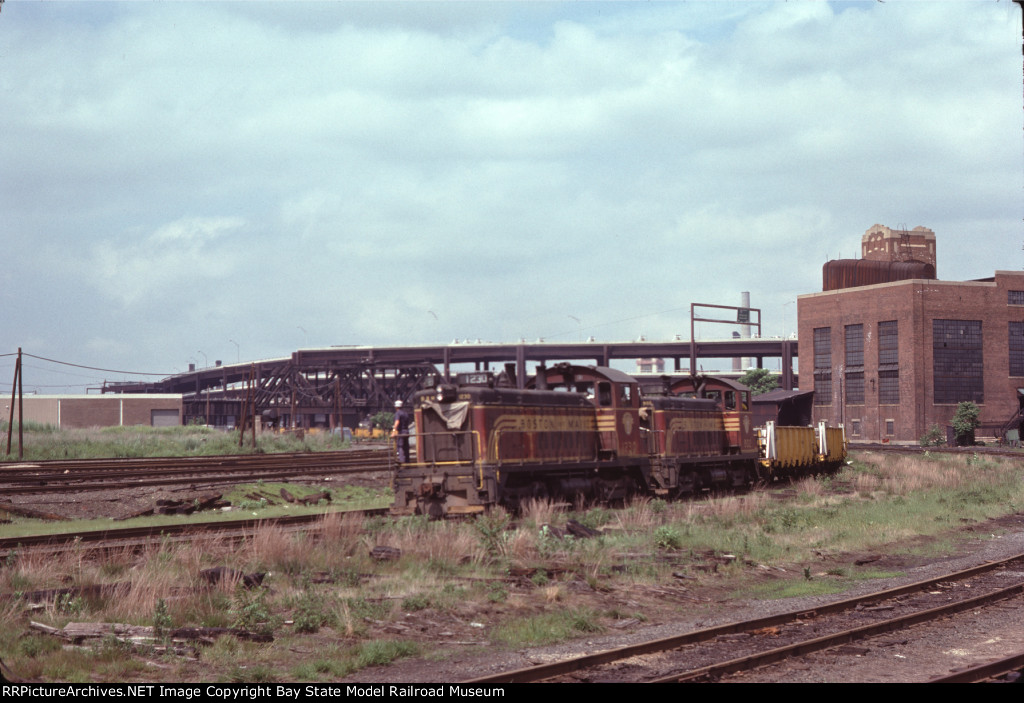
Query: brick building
{"x":881,"y":243}
{"x":890,"y":359}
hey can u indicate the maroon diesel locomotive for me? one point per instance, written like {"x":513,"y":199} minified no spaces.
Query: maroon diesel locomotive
{"x":575,"y":431}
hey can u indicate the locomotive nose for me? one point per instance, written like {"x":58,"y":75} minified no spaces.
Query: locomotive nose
{"x":431,"y":490}
{"x":431,"y":500}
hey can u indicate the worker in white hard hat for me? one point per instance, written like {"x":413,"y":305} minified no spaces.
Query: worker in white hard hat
{"x":400,"y":432}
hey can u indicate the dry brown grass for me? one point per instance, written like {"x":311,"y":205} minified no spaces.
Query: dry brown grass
{"x":728,"y":507}
{"x":343,"y":532}
{"x":810,"y":486}
{"x":521,"y":547}
{"x":447,"y":542}
{"x":137,"y":602}
{"x":865,"y":484}
{"x":272,"y":548}
{"x":347,"y":623}
{"x":907,"y":473}
{"x":639,"y":514}
{"x":904,"y":475}
{"x":335,"y":525}
{"x":552,"y":594}
{"x":540,"y":511}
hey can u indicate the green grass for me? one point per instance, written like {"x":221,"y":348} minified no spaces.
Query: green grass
{"x":547,"y":628}
{"x":344,"y":662}
{"x":343,"y":498}
{"x":810,"y":582}
{"x":791,"y":589}
{"x":25,"y":526}
{"x":43,"y":442}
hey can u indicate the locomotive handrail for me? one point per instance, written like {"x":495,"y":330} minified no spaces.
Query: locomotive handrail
{"x":524,"y":460}
{"x":653,"y":445}
{"x":475,"y":446}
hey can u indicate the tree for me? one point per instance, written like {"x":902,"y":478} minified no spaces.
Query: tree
{"x":383,"y":420}
{"x":965,"y":421}
{"x":759,"y":381}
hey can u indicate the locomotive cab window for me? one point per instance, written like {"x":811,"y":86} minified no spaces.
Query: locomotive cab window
{"x":604,"y":393}
{"x":626,"y":395}
{"x":730,"y":400}
{"x":745,"y":401}
{"x":715,"y":396}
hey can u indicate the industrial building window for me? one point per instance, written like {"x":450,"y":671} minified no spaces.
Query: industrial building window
{"x":855,"y":388}
{"x":888,"y":387}
{"x":855,"y":428}
{"x":855,"y":346}
{"x":1017,"y":348}
{"x":854,"y":364}
{"x":888,"y":343}
{"x":957,"y":357}
{"x":1015,"y":297}
{"x":823,"y":366}
{"x":890,"y":427}
{"x":888,"y":363}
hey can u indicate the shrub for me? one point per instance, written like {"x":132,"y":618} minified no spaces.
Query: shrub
{"x":161,"y":619}
{"x":251,"y":612}
{"x":413,"y":603}
{"x":965,"y":421}
{"x":490,"y":528}
{"x":497,"y":592}
{"x":311,"y":612}
{"x":934,"y":437}
{"x":668,"y":537}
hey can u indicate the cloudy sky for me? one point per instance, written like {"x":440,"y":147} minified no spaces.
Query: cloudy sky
{"x":188,"y":181}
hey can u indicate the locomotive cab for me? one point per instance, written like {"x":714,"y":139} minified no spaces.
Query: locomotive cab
{"x":733,"y":401}
{"x":616,"y":400}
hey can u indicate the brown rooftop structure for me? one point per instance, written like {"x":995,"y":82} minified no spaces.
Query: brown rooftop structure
{"x":890,"y":358}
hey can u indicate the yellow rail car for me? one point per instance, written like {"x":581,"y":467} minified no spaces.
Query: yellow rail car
{"x":795,"y":451}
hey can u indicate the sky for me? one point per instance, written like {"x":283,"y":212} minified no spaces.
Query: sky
{"x":185,"y":182}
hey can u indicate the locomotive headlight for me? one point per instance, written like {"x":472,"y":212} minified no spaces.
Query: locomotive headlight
{"x":446,"y":393}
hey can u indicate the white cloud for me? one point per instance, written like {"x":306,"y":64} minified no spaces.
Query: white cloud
{"x":168,"y":264}
{"x":505,"y":165}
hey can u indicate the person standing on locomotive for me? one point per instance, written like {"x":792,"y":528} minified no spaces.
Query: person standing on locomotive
{"x":400,"y":432}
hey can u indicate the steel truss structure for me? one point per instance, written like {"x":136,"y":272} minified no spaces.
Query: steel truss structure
{"x":342,"y":385}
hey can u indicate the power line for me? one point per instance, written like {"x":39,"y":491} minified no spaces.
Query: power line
{"x":95,"y":368}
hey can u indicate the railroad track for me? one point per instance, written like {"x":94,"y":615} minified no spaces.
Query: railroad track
{"x":102,"y":474}
{"x":726,"y":650}
{"x":133,"y":537}
{"x":55,"y":476}
{"x":992,"y":671}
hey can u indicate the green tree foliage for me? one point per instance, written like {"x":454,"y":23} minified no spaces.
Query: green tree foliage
{"x":383,"y":420}
{"x":965,"y":421}
{"x":760,"y":381}
{"x":934,"y":437}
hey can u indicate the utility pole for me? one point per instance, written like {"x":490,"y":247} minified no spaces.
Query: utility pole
{"x":16,"y":389}
{"x":1021,"y":3}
